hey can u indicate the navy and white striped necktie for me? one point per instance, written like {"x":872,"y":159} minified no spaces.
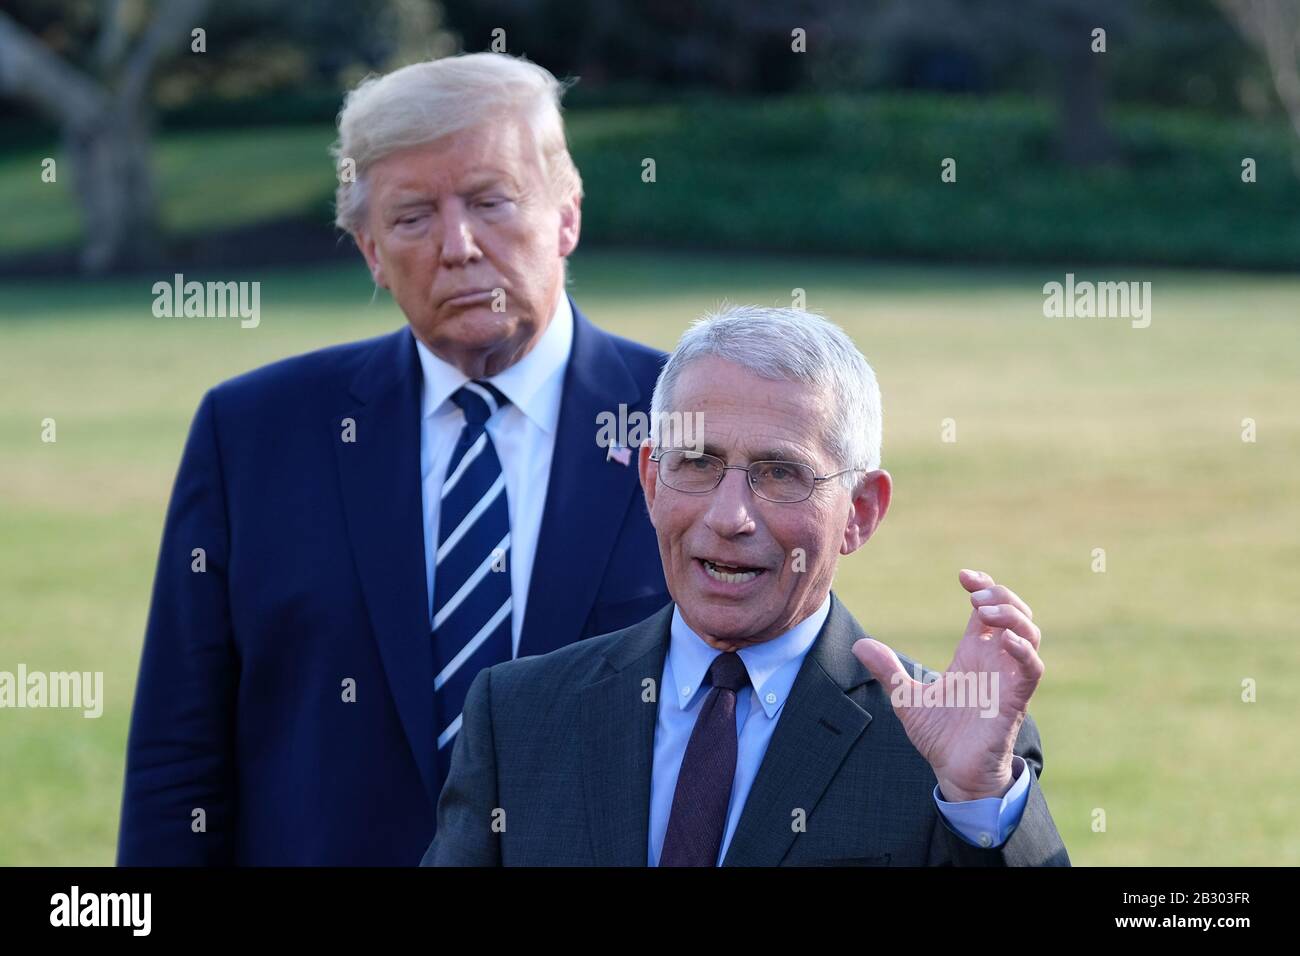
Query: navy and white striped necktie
{"x":472,"y":602}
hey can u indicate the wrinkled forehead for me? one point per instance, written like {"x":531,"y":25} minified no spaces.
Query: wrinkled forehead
{"x":497,"y":150}
{"x":729,"y":411}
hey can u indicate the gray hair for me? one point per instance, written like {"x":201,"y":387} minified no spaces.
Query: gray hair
{"x":788,"y":345}
{"x":426,"y":101}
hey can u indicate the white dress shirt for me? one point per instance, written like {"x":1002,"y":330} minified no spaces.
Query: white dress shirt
{"x":523,"y":434}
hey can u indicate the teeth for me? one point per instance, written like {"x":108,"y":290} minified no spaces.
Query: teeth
{"x":717,"y":575}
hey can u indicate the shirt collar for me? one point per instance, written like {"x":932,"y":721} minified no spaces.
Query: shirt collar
{"x":533,"y":384}
{"x":772,"y":665}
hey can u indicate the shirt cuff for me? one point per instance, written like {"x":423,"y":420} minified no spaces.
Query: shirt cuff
{"x":990,"y":821}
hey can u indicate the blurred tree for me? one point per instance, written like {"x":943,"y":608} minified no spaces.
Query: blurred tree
{"x":103,"y":112}
{"x":268,"y":49}
{"x":1177,"y":53}
{"x":964,"y":44}
{"x":97,"y":69}
{"x":1063,"y":30}
{"x":733,"y":45}
{"x":1273,"y":28}
{"x":745,"y":46}
{"x":1183,"y":54}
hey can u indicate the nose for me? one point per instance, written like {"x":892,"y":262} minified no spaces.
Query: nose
{"x":730,"y":510}
{"x":456,"y":244}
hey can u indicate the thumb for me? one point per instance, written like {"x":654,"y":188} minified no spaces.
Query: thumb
{"x":882,"y":662}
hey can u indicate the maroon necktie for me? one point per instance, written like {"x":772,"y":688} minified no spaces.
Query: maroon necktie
{"x":699,"y":814}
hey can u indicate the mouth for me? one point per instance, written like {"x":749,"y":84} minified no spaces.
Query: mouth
{"x":729,"y":573}
{"x":469,"y":297}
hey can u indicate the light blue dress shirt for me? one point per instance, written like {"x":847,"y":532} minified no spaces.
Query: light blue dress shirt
{"x":773,"y":666}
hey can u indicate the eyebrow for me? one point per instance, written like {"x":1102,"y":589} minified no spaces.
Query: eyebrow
{"x":406,"y":200}
{"x":768,"y":454}
{"x":486,"y":181}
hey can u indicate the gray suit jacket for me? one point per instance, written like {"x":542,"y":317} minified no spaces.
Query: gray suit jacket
{"x":552,"y":767}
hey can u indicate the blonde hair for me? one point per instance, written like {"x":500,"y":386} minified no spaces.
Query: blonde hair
{"x":423,"y":102}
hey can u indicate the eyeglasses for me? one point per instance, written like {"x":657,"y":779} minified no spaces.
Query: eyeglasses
{"x":695,"y":473}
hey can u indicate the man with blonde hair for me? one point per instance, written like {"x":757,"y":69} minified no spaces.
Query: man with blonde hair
{"x":379,"y":521}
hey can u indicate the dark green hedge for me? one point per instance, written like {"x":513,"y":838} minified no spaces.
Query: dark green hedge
{"x":861,"y":176}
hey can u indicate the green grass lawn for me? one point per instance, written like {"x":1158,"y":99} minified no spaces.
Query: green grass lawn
{"x":1071,"y":435}
{"x":206,"y":180}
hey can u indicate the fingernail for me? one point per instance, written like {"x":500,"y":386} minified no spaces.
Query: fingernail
{"x":984,"y":595}
{"x":987,"y":609}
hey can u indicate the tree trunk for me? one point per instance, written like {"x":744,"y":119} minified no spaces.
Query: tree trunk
{"x":106,"y":123}
{"x":1083,"y":137}
{"x":113,"y":179}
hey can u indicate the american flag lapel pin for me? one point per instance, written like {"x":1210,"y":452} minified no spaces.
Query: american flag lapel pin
{"x":619,"y":454}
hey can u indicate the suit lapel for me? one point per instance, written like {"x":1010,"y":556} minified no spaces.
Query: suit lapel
{"x":618,"y":726}
{"x":587,"y":495}
{"x":816,"y":729}
{"x":379,"y":476}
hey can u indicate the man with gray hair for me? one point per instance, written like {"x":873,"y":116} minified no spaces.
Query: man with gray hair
{"x":356,"y":532}
{"x":751,"y":722}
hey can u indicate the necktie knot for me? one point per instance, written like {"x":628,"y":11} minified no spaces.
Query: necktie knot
{"x":728,"y":671}
{"x":479,"y":401}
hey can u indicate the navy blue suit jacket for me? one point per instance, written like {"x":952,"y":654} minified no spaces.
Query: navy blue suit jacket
{"x":311,"y":575}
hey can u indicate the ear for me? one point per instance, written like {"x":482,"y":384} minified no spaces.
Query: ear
{"x":649,"y":474}
{"x":570,"y":224}
{"x":369,"y":249}
{"x":868,"y":505}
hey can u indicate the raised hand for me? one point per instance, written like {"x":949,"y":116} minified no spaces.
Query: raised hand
{"x":965,"y":725}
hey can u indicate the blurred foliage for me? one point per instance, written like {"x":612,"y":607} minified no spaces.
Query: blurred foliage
{"x":861,"y":176}
{"x":811,"y":174}
{"x":840,"y":163}
{"x":282,"y":50}
{"x":1174,"y":53}
{"x":1179,"y":53}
